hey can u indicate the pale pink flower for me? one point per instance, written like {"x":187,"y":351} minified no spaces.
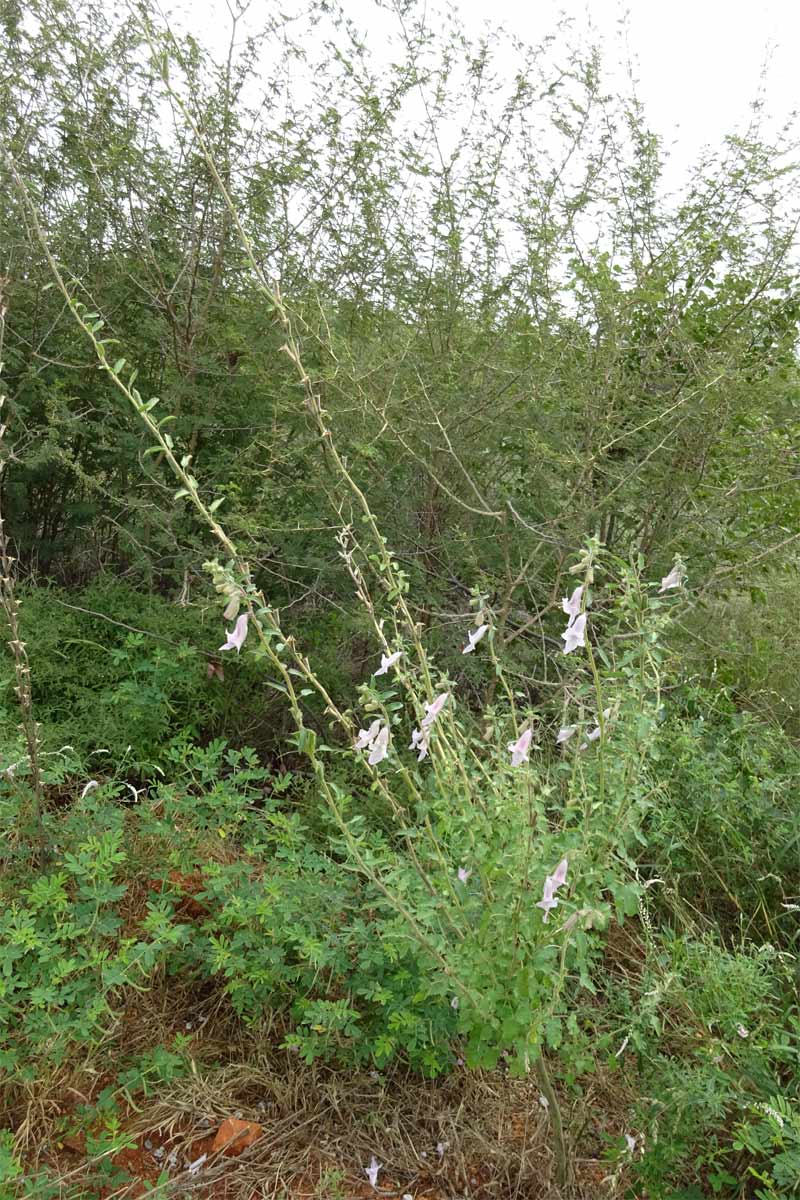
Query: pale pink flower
{"x":548,"y":899}
{"x":380,"y":747}
{"x":371,"y":1171}
{"x":559,"y":876}
{"x":574,"y":634}
{"x":742,"y":1032}
{"x":673,"y":580}
{"x":551,"y":885}
{"x":236,"y":635}
{"x":454,"y":1002}
{"x":572,"y":606}
{"x":521,"y":748}
{"x":433,"y":709}
{"x":473,"y":637}
{"x":419,"y":741}
{"x":388,"y":660}
{"x":367,"y":736}
{"x":565,"y":733}
{"x":595,"y":731}
{"x":463,"y":874}
{"x":591,"y":736}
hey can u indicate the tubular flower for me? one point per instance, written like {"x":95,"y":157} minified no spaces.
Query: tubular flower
{"x":673,"y":580}
{"x":572,"y":606}
{"x":367,"y":736}
{"x":473,"y":637}
{"x":372,"y":1170}
{"x":388,"y":660}
{"x":565,"y":733}
{"x":236,"y":635}
{"x":432,"y":710}
{"x":521,"y":748}
{"x":574,"y":634}
{"x":551,"y":885}
{"x":419,"y":741}
{"x":380,"y":747}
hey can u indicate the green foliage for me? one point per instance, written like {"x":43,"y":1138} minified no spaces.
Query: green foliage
{"x":65,"y":954}
{"x":118,"y":674}
{"x":729,"y":829}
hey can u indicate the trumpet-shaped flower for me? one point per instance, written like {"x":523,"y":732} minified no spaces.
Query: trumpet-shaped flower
{"x":574,"y":634}
{"x":673,"y":580}
{"x":591,"y":736}
{"x":551,"y":885}
{"x":559,"y":876}
{"x":473,"y":637}
{"x":388,"y":660}
{"x":463,"y":874}
{"x":595,"y":731}
{"x":565,"y":733}
{"x":548,"y":899}
{"x":380,"y":747}
{"x":367,"y":736}
{"x":236,"y":635}
{"x":742,"y":1032}
{"x":572,"y":606}
{"x":521,"y":748}
{"x":419,"y":741}
{"x":433,"y":709}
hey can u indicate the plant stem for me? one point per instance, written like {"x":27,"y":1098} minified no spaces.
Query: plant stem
{"x":556,"y":1123}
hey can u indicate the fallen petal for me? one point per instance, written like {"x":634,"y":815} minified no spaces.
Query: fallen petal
{"x":371,"y":1171}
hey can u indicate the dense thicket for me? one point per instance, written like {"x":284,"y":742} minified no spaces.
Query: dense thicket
{"x":519,"y":339}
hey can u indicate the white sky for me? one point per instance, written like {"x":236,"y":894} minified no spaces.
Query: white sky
{"x":698,"y":63}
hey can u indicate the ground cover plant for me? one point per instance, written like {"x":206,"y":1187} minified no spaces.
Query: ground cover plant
{"x":398,"y":530}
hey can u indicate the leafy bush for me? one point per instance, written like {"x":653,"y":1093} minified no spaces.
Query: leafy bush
{"x":115,"y":697}
{"x":726,"y":824}
{"x":64,"y":953}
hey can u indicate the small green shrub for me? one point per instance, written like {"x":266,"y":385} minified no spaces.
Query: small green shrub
{"x":64,"y":955}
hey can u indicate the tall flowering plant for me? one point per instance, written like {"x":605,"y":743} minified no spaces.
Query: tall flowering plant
{"x":502,"y":859}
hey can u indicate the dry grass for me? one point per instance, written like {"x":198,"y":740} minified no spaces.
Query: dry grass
{"x":321,"y":1126}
